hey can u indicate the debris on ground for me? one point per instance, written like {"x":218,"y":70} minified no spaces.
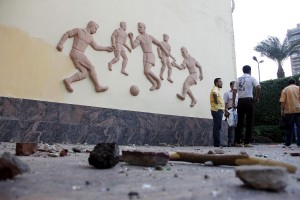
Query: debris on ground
{"x":144,"y":158}
{"x":10,"y":166}
{"x":263,"y":177}
{"x":104,"y":155}
{"x":26,"y":148}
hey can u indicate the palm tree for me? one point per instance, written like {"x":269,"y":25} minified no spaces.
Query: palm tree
{"x":274,"y":50}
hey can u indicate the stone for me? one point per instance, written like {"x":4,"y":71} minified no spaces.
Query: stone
{"x":10,"y":166}
{"x":104,"y":155}
{"x":26,"y":148}
{"x":143,"y":158}
{"x":76,"y":150}
{"x":273,"y":178}
{"x":63,"y":153}
{"x":16,"y":161}
{"x":134,"y":90}
{"x":8,"y":170}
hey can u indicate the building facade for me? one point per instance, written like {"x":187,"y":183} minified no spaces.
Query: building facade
{"x":293,"y":37}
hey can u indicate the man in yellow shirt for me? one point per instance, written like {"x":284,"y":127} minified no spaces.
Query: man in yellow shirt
{"x":217,"y":108}
{"x":290,"y":108}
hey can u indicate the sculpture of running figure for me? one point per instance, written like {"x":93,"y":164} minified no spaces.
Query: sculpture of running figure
{"x":83,"y":38}
{"x":146,"y":41}
{"x":165,"y":61}
{"x":118,"y":41}
{"x":190,"y":63}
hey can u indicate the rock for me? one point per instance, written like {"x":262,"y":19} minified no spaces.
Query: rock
{"x":63,"y":153}
{"x":10,"y":166}
{"x":76,"y":150}
{"x":295,"y":154}
{"x":8,"y":170}
{"x":26,"y":148}
{"x":16,"y":161}
{"x":263,"y":177}
{"x":104,"y":155}
{"x":219,"y":151}
{"x":209,"y":163}
{"x":148,"y":159}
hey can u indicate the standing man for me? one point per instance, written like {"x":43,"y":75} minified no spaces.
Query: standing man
{"x":190,"y":63}
{"x":217,"y":110}
{"x":165,"y":61}
{"x":83,"y":38}
{"x":290,"y":108}
{"x":244,"y":88}
{"x":146,"y":41}
{"x":118,"y":42}
{"x":228,"y":105}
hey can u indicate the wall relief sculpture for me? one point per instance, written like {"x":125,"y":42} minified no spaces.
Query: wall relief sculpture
{"x":145,"y":41}
{"x":190,"y":63}
{"x":165,"y":61}
{"x":82,"y":38}
{"x":118,"y":42}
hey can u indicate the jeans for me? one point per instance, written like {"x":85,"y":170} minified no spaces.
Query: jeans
{"x":292,"y":119}
{"x":217,"y":120}
{"x":245,"y":108}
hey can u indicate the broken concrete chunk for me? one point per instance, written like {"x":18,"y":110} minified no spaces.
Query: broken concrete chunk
{"x":148,"y":159}
{"x":263,"y":177}
{"x":10,"y":166}
{"x":104,"y":155}
{"x":26,"y":148}
{"x":77,"y":150}
{"x":63,"y":153}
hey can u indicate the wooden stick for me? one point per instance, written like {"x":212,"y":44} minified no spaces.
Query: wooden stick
{"x":231,"y":160}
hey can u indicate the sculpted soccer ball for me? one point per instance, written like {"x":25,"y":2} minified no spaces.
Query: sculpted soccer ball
{"x":134,"y":90}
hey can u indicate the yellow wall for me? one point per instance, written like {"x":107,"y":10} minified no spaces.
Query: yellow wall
{"x":31,"y":67}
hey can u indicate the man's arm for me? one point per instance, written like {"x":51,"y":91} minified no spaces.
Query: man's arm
{"x":200,"y":70}
{"x":113,"y":38}
{"x":282,"y":106}
{"x":65,"y":36}
{"x":226,"y":97}
{"x":233,"y":98}
{"x":156,"y":42}
{"x":159,"y":52}
{"x":257,"y":93}
{"x":97,"y":47}
{"x":135,"y":43}
{"x":180,"y":67}
{"x":215,"y":96}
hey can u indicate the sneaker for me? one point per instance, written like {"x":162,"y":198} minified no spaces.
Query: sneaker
{"x":238,"y":145}
{"x":248,"y":145}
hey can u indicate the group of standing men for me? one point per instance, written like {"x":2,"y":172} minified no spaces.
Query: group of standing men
{"x":240,"y":97}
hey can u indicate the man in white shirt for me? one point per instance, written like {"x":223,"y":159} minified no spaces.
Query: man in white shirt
{"x":228,"y":105}
{"x":244,"y":88}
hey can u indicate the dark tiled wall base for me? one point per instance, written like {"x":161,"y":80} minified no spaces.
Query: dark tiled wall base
{"x":39,"y":121}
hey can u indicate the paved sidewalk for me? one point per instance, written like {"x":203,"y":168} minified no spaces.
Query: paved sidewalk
{"x":72,"y":178}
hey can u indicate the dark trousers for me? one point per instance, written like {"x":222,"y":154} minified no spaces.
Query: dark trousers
{"x":217,"y":120}
{"x":245,"y":108}
{"x":292,"y":119}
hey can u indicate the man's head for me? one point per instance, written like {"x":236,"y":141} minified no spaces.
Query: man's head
{"x":247,"y":69}
{"x":123,"y":25}
{"x":291,"y":81}
{"x":218,"y":82}
{"x":92,"y":27}
{"x":232,"y":84}
{"x":166,"y":37}
{"x":184,"y":52}
{"x":141,"y":27}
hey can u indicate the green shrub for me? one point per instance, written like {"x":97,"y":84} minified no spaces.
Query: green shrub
{"x":267,"y":134}
{"x":267,"y":111}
